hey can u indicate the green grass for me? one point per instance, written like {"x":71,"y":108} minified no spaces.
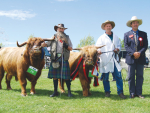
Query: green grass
{"x":12,"y":102}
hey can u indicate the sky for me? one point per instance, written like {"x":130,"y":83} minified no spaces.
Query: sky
{"x":21,"y":18}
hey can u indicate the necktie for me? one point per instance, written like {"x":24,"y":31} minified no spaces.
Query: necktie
{"x":135,"y":40}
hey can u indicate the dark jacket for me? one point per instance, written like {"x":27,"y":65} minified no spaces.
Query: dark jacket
{"x":130,"y":46}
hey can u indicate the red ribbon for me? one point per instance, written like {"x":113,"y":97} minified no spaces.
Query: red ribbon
{"x":76,"y":71}
{"x":141,"y":41}
{"x":61,"y":41}
{"x":85,"y":75}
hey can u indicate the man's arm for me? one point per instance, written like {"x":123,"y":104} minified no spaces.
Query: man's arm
{"x":145,"y":45}
{"x":69,"y":48}
{"x":144,"y":48}
{"x":98,"y":43}
{"x":118,"y":48}
{"x":69,"y":44}
{"x":128,"y":49}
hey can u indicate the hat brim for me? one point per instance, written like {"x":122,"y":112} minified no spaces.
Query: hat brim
{"x":129,"y":22}
{"x":110,"y":22}
{"x":55,"y":28}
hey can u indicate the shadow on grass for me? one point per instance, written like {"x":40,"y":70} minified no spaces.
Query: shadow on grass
{"x":39,"y":92}
{"x":76,"y":94}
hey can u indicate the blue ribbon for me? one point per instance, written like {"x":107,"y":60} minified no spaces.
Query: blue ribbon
{"x":42,"y":53}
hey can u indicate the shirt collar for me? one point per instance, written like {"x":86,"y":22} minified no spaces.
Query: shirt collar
{"x":135,"y":31}
{"x":109,"y":35}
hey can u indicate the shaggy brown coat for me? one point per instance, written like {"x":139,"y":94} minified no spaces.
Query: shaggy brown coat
{"x":15,"y":62}
{"x":89,"y":54}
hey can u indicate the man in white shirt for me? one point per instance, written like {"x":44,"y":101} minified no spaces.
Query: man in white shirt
{"x":107,"y":61}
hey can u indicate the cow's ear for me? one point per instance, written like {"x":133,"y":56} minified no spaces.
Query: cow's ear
{"x":77,"y":49}
{"x":97,"y":47}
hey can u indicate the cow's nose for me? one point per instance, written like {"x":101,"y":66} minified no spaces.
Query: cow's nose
{"x":90,"y":62}
{"x":36,"y":49}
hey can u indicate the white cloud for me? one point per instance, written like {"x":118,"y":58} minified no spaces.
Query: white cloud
{"x":17,"y":14}
{"x":9,"y":43}
{"x":64,"y":0}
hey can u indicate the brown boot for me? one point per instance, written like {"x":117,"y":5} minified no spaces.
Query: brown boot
{"x":107,"y":94}
{"x":121,"y":95}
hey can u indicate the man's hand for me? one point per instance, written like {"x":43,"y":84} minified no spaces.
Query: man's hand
{"x":136,"y":55}
{"x":44,"y":44}
{"x":99,"y":52}
{"x":116,"y":50}
{"x":65,"y":45}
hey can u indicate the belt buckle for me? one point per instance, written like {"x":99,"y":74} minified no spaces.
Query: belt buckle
{"x":58,"y":54}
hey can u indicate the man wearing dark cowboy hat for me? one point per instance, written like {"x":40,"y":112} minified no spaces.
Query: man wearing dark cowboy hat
{"x":136,"y":43}
{"x":58,"y":69}
{"x":108,"y":63}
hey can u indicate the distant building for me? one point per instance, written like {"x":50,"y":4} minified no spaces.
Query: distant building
{"x":123,"y":53}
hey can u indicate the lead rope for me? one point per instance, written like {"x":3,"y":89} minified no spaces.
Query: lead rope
{"x":108,"y":61}
{"x":110,"y":58}
{"x":61,"y":68}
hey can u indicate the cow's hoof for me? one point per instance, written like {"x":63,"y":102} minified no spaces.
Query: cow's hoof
{"x":9,"y":88}
{"x":62,"y":91}
{"x":24,"y":94}
{"x":32,"y":93}
{"x":85,"y":94}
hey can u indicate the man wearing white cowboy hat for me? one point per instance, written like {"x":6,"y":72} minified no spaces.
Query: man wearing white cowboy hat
{"x":107,"y":61}
{"x":56,"y":51}
{"x":136,"y":43}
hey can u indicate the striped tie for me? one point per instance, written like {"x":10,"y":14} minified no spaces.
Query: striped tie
{"x":135,"y":40}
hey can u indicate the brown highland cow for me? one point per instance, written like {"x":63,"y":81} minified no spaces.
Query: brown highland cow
{"x":16,"y":60}
{"x":89,"y":55}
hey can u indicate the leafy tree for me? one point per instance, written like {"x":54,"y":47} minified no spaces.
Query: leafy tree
{"x":1,"y":45}
{"x":31,"y":36}
{"x":89,"y":40}
{"x":122,"y":42}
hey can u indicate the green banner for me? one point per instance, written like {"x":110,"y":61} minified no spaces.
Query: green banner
{"x":32,"y":70}
{"x":90,"y":73}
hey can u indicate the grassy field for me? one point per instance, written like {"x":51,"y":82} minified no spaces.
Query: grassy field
{"x":12,"y":102}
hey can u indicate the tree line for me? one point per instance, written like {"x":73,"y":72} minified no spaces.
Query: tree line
{"x":89,"y":40}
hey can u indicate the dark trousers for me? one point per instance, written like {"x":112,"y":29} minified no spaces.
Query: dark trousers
{"x":135,"y":86}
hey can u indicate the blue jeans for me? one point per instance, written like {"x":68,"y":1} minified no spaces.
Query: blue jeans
{"x":101,"y":78}
{"x":118,"y":78}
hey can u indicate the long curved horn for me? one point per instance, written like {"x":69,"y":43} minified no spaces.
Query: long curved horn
{"x":21,"y":44}
{"x":97,"y":47}
{"x":77,"y":49}
{"x":49,"y":39}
